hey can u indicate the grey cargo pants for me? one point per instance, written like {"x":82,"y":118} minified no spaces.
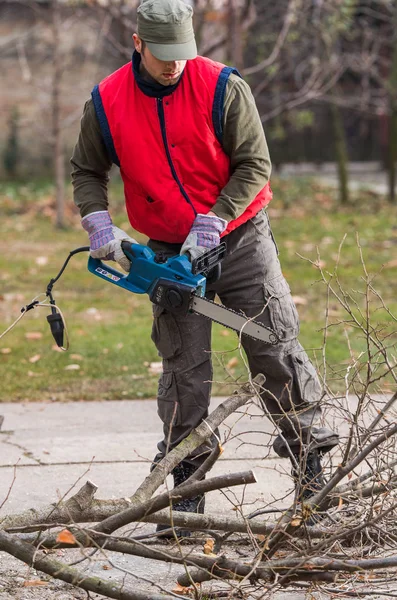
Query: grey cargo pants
{"x":251,"y":280}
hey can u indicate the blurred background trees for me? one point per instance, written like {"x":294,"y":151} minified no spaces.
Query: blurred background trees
{"x":323,"y":72}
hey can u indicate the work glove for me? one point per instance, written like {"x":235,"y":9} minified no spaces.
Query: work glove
{"x":105,"y":238}
{"x":204,"y":234}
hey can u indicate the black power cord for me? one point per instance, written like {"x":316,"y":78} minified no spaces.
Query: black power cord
{"x":55,"y":318}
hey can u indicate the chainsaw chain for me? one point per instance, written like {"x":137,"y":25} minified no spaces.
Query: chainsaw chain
{"x":231,"y":310}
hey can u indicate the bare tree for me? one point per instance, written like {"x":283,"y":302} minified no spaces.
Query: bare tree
{"x":59,"y":157}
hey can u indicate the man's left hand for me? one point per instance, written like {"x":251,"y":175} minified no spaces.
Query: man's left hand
{"x":204,"y":235}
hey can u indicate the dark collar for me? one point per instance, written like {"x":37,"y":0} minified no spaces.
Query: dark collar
{"x":150,"y":87}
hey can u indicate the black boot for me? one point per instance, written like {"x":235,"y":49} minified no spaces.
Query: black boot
{"x":308,"y":476}
{"x":181,"y":473}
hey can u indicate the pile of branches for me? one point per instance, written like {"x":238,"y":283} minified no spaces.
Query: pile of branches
{"x":342,"y":540}
{"x":334,"y":540}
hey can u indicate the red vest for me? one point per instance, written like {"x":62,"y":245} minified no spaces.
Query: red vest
{"x":169,"y":150}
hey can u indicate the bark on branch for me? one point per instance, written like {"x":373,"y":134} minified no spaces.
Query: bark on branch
{"x":32,"y":557}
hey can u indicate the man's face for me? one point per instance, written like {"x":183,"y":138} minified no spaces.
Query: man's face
{"x":162,"y":71}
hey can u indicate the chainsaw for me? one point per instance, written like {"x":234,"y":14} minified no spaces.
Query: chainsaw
{"x":175,"y":284}
{"x":179,"y":286}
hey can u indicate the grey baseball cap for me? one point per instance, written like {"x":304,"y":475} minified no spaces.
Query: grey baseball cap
{"x":166,"y":26}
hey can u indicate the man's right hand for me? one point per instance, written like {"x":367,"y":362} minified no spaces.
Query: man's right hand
{"x":105,"y":238}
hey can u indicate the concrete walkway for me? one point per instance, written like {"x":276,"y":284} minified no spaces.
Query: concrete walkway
{"x":368,"y":176}
{"x":59,"y":443}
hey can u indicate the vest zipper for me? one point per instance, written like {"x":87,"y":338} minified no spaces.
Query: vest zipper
{"x":160,"y":112}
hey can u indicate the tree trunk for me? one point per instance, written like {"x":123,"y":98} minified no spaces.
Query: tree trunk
{"x":59,"y":164}
{"x":393,"y":116}
{"x":341,"y":154}
{"x":235,"y":42}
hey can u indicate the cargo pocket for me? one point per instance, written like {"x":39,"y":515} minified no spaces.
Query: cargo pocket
{"x":168,"y":407}
{"x":283,"y":314}
{"x":271,"y":232}
{"x":306,"y":377}
{"x":165,"y":333}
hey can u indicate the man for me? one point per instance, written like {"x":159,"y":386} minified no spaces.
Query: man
{"x":192,"y":153}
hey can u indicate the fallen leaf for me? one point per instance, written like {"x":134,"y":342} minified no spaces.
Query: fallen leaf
{"x":319,"y":264}
{"x":72,"y":367}
{"x":76,"y":356}
{"x":225,"y":332}
{"x":180,"y":589}
{"x":41,"y":260}
{"x":327,"y":240}
{"x":5,"y":351}
{"x":281,"y":554}
{"x":14,"y":297}
{"x":106,"y":567}
{"x":95,"y":313}
{"x":35,"y":358}
{"x":233,"y":362}
{"x":156,"y":368}
{"x":120,"y":345}
{"x":34,"y":583}
{"x":390,"y":264}
{"x":32,"y":374}
{"x":296,"y":521}
{"x":33,"y":335}
{"x":208,"y":547}
{"x":66,"y":537}
{"x":264,"y":540}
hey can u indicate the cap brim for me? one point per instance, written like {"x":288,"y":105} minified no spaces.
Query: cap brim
{"x":185,"y":51}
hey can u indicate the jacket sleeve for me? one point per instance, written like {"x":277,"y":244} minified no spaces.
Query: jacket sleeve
{"x":245,"y":143}
{"x":90,"y":165}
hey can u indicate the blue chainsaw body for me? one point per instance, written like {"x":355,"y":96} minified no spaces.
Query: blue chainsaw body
{"x":175,"y":283}
{"x":147,"y":272}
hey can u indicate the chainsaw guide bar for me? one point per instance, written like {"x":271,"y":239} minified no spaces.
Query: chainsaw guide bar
{"x":233,"y":320}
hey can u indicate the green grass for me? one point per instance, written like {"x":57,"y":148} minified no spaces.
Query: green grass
{"x":109,"y":328}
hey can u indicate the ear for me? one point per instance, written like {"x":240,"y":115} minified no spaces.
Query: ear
{"x":137,"y":42}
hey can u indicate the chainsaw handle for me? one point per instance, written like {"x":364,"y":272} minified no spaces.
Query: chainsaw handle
{"x":208,"y":264}
{"x":127,"y":248}
{"x":214,"y":274}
